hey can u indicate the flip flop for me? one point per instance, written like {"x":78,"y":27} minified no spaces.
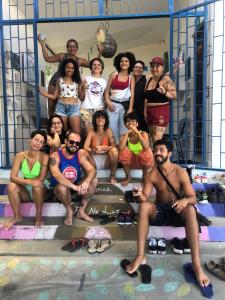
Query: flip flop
{"x":67,"y":246}
{"x":145,"y":273}
{"x":216,"y":269}
{"x":77,"y":244}
{"x":104,"y":244}
{"x":92,"y":246}
{"x":124,"y":263}
{"x":190,"y":277}
{"x":107,"y":219}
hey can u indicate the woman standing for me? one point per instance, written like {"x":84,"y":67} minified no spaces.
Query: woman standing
{"x":160,"y":89}
{"x":33,"y":165}
{"x":72,"y":48}
{"x":119,"y":93}
{"x":68,"y":89}
{"x":100,"y":140}
{"x":139,"y":94}
{"x":94,"y":88}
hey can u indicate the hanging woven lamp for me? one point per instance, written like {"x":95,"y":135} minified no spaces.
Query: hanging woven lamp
{"x":105,"y":41}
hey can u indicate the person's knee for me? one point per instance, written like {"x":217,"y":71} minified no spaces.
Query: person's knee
{"x":12,"y":187}
{"x":146,"y":208}
{"x":60,"y":190}
{"x":113,"y":152}
{"x":189,"y":212}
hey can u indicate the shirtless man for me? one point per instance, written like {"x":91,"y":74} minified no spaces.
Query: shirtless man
{"x":164,"y":198}
{"x":65,"y":166}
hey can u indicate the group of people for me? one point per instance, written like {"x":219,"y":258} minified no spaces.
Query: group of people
{"x":117,"y":118}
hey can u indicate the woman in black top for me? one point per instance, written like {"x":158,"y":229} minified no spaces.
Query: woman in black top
{"x":160,"y":89}
{"x":139,"y":94}
{"x":55,"y":134}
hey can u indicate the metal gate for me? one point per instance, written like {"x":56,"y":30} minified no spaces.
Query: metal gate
{"x":197,"y":117}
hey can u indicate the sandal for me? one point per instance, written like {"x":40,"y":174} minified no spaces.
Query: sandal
{"x":124,"y":263}
{"x":67,"y":246}
{"x":107,"y":219}
{"x":77,"y":244}
{"x":216,"y":269}
{"x":92,"y":246}
{"x":145,"y":272}
{"x":104,"y":245}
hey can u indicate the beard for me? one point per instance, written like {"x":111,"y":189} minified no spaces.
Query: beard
{"x":160,"y":159}
{"x":73,"y":151}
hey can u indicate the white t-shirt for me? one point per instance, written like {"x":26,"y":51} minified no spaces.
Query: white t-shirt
{"x":94,"y":92}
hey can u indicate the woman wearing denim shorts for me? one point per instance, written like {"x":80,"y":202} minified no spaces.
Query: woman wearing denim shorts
{"x":68,"y":92}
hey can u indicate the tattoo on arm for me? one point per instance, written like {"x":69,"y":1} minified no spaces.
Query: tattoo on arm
{"x":170,"y":83}
{"x":52,"y":161}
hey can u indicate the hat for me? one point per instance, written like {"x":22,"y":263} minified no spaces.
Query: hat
{"x":157,"y":61}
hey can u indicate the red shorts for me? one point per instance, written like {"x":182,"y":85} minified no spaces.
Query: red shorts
{"x":158,"y":115}
{"x":145,"y":158}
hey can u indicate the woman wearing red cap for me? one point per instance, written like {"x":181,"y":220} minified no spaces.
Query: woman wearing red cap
{"x":159,"y":90}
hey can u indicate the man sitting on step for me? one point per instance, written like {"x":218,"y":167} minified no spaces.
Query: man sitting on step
{"x":167,"y":208}
{"x":65,"y":166}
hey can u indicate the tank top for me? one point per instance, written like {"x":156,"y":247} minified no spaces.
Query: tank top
{"x":119,"y":85}
{"x":105,"y":142}
{"x":154,"y":96}
{"x":68,"y":90}
{"x":69,"y":167}
{"x":33,"y":172}
{"x":135,"y":148}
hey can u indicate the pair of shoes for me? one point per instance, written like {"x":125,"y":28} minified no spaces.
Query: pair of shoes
{"x":200,"y":178}
{"x":126,"y":217}
{"x":180,"y":246}
{"x":201,"y":196}
{"x":144,"y":271}
{"x":190,"y":277}
{"x":157,"y":245}
{"x":75,"y":245}
{"x":216,"y":195}
{"x":99,"y":246}
{"x":217,"y":268}
{"x":104,"y":218}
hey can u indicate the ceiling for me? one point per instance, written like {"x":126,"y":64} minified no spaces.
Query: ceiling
{"x":130,"y":33}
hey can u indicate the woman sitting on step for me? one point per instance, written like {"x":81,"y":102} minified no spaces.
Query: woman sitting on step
{"x":99,"y":141}
{"x":134,"y":148}
{"x":33,"y":166}
{"x":56,"y":134}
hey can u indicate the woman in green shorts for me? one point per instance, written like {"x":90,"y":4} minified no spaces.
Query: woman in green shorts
{"x":28,"y":172}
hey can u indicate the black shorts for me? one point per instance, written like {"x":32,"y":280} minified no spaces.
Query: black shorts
{"x":167,"y":216}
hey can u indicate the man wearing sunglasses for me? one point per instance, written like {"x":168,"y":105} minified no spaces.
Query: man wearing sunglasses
{"x":66,"y":165}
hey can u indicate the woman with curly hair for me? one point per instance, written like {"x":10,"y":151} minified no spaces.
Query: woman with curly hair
{"x":119,"y":93}
{"x":55,"y":134}
{"x":100,"y":140}
{"x":72,"y":48}
{"x":68,"y":89}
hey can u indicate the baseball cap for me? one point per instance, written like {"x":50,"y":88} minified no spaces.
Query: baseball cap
{"x":157,"y":61}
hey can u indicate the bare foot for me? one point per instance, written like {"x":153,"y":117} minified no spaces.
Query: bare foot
{"x":82,"y":215}
{"x":69,"y":217}
{"x":12,"y":221}
{"x":39,"y":222}
{"x":112,"y":180}
{"x":139,"y":260}
{"x":125,"y":181}
{"x":203,"y":280}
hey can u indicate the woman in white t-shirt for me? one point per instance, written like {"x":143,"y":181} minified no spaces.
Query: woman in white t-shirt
{"x":94,"y":86}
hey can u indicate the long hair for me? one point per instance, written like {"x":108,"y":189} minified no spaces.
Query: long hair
{"x":76,"y":75}
{"x":97,"y":114}
{"x":128,"y":55}
{"x":50,"y":124}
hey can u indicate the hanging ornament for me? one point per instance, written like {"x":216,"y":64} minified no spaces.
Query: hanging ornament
{"x":105,"y":42}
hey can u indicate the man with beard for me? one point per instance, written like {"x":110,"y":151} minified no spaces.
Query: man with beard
{"x":166,"y":208}
{"x":65,"y":166}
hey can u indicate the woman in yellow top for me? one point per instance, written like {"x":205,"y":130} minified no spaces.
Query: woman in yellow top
{"x":33,"y":166}
{"x":134,"y":148}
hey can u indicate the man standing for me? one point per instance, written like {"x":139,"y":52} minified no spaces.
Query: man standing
{"x":166,"y":207}
{"x":65,"y":167}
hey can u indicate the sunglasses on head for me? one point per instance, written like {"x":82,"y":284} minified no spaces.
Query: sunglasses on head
{"x":71,"y":142}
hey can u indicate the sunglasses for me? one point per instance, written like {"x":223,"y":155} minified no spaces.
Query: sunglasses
{"x":74,"y":143}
